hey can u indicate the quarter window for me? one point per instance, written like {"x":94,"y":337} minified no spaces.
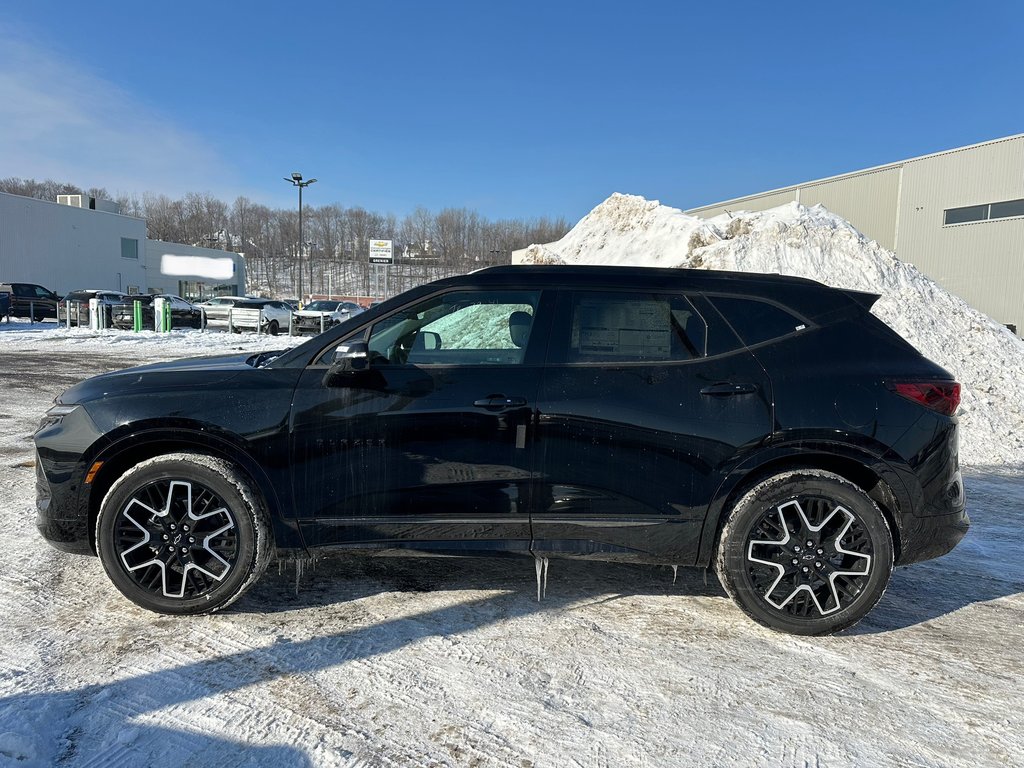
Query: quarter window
{"x":755,"y":321}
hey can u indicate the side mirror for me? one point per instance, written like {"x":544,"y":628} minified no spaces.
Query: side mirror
{"x":426,"y":341}
{"x":348,"y":360}
{"x":351,"y":357}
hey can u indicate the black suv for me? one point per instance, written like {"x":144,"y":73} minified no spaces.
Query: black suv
{"x":769,"y":427}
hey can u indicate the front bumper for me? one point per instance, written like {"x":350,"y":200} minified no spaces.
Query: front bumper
{"x":59,"y":518}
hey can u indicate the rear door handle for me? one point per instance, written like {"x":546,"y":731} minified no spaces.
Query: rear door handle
{"x":726,"y":388}
{"x":497,"y":402}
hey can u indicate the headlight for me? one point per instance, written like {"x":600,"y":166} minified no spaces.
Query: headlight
{"x":56,"y":414}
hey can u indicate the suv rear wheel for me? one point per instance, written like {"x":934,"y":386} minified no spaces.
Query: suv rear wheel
{"x":806,"y":552}
{"x":183,"y":533}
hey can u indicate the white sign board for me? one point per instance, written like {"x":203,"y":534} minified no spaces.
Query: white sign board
{"x":381,"y":252}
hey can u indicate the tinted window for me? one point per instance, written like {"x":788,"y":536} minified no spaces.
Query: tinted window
{"x":634,"y":327}
{"x":755,"y":321}
{"x":1009,"y":208}
{"x":461,"y":328}
{"x":963,"y":215}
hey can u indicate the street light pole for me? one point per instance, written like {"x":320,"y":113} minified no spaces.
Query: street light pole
{"x":296,"y":180}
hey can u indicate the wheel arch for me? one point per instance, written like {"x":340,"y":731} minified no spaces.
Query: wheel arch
{"x":876,"y":478}
{"x":138,"y":446}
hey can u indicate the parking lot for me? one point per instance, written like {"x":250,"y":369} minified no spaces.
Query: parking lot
{"x":454,"y":662}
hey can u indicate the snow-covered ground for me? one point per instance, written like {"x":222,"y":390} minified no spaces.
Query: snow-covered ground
{"x":434,"y":662}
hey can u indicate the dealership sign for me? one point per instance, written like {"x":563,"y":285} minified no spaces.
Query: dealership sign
{"x":381,"y":252}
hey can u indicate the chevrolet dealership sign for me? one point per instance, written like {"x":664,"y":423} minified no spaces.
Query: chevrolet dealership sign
{"x":381,"y":252}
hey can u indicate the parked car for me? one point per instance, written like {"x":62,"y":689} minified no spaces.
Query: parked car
{"x":273,"y":316}
{"x":768,"y":427}
{"x":320,"y":315}
{"x":217,"y":308}
{"x":29,"y":299}
{"x":76,"y":304}
{"x":184,"y":314}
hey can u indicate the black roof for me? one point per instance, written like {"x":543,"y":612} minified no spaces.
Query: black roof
{"x":591,"y":275}
{"x":808,"y":297}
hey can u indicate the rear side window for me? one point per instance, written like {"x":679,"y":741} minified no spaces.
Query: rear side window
{"x":756,"y":321}
{"x":634,"y":327}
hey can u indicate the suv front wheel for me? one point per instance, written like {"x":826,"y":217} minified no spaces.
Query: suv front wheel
{"x":806,"y":552}
{"x":183,"y":533}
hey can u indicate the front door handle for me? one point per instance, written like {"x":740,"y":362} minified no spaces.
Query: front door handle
{"x":497,"y":402}
{"x":726,"y":388}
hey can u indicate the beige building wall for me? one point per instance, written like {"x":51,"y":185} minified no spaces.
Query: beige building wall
{"x":871,"y":197}
{"x":902,"y":206}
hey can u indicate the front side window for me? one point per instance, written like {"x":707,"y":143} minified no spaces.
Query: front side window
{"x":459,"y":328}
{"x":635,"y":327}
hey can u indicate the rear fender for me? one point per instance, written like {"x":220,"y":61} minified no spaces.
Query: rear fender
{"x":862,"y":463}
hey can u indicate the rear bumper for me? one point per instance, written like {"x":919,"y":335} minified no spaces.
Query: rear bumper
{"x":924,"y":538}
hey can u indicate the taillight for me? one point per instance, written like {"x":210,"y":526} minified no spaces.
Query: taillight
{"x":941,"y":396}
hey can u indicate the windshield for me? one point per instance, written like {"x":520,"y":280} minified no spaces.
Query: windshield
{"x":321,"y":306}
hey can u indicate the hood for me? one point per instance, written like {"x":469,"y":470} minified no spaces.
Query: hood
{"x":191,"y":373}
{"x":317,"y":313}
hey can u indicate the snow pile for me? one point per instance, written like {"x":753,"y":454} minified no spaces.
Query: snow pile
{"x":984,"y":356}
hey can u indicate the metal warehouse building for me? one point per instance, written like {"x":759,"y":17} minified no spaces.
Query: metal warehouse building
{"x":958,"y":216}
{"x":83,"y":243}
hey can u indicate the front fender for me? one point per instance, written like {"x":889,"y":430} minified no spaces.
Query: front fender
{"x":269,"y":468}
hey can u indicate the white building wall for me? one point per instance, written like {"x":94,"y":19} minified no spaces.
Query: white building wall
{"x":159,"y":281}
{"x":65,"y":248}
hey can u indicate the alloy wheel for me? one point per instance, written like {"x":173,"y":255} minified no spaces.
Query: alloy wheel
{"x":176,"y":538}
{"x":809,"y":557}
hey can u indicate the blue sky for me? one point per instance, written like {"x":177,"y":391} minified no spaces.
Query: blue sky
{"x":514,"y":109}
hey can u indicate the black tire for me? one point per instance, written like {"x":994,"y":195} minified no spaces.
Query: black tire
{"x":183,"y":533}
{"x":273,"y":328}
{"x":805,"y":552}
